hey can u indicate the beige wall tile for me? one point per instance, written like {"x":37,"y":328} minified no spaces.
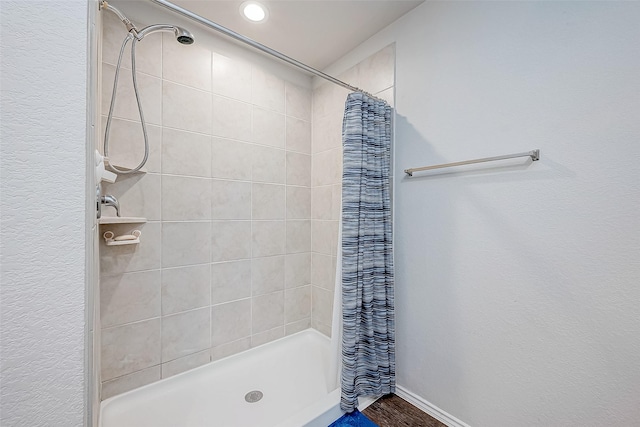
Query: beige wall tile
{"x":148,"y":50}
{"x":185,"y":243}
{"x":186,"y":64}
{"x":267,"y":90}
{"x":127,"y":258}
{"x":230,"y":240}
{"x":377,"y":71}
{"x":129,"y":382}
{"x":298,"y":202}
{"x":328,"y":99}
{"x":230,"y":199}
{"x":298,"y":101}
{"x":225,"y":350}
{"x":298,"y":169}
{"x":231,"y":159}
{"x":268,"y":238}
{"x":321,"y":100}
{"x":231,"y":119}
{"x":268,"y":165}
{"x":230,"y":281}
{"x":130,"y":348}
{"x":267,"y":311}
{"x":126,"y":144}
{"x":186,"y":153}
{"x":186,"y":108}
{"x":268,"y":201}
{"x":297,"y":304}
{"x":321,"y":305}
{"x":268,"y":128}
{"x":186,"y":363}
{"x":321,"y":327}
{"x":388,"y":95}
{"x":185,"y":288}
{"x":294,"y":327}
{"x":126,"y":106}
{"x":327,"y":167}
{"x":230,"y":322}
{"x":267,"y":336}
{"x":267,"y":275}
{"x":186,"y":198}
{"x":138,"y":196}
{"x":297,"y":270}
{"x":324,"y":237}
{"x":129,"y":297}
{"x":327,"y":133}
{"x":336,"y":204}
{"x":298,"y":135}
{"x":185,"y":333}
{"x":230,"y":78}
{"x":321,"y":202}
{"x":323,"y":272}
{"x":298,"y":236}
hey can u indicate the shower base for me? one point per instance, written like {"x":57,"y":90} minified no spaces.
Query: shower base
{"x":279,"y":384}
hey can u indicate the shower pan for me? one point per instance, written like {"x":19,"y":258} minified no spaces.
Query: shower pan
{"x":276,"y":385}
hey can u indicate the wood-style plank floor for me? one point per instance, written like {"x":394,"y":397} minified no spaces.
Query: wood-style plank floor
{"x":392,"y":411}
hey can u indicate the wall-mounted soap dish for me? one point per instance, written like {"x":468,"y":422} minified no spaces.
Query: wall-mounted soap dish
{"x":121,"y":220}
{"x":126,"y":239}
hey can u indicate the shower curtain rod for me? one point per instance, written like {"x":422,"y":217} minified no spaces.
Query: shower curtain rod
{"x":239,"y":37}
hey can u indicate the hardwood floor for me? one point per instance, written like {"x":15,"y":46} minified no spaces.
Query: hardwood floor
{"x":392,"y":411}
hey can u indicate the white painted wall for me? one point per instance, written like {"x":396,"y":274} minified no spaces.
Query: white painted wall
{"x":518,"y":284}
{"x":42,"y":206}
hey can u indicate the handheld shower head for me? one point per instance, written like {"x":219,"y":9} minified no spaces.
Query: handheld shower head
{"x":183,"y":36}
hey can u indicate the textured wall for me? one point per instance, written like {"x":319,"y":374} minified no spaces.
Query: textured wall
{"x":517,"y":285}
{"x":42,"y":207}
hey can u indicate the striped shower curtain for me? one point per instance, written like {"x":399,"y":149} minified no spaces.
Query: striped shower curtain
{"x":368,"y":339}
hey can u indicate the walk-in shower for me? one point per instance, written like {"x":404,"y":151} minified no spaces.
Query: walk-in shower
{"x":235,"y":274}
{"x":134,"y":35}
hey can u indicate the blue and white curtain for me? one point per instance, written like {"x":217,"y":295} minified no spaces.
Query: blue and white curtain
{"x":368,"y":339}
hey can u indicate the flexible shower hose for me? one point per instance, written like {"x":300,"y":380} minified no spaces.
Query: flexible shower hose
{"x":130,"y":36}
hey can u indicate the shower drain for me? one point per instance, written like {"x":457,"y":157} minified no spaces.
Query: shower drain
{"x":253,"y":396}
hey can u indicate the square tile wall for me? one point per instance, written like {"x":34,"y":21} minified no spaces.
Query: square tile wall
{"x":376,"y":75}
{"x":224,"y":262}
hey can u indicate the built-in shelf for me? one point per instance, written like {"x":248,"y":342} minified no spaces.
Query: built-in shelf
{"x":127,"y":169}
{"x":121,"y":220}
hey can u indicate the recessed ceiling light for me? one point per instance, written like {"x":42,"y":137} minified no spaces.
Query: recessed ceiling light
{"x":254,"y":11}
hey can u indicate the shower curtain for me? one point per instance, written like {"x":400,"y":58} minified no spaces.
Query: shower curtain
{"x":368,"y":338}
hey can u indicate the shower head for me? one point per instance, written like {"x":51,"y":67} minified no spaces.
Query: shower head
{"x":183,"y":36}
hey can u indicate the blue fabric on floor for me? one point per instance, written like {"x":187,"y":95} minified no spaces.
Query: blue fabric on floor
{"x":353,"y":419}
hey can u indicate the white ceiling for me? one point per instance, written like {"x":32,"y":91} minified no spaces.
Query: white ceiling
{"x":316,"y":32}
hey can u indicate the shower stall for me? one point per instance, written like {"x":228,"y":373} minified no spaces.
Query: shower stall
{"x":237,"y":206}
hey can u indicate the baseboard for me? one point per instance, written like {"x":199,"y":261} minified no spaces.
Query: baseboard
{"x":429,"y":408}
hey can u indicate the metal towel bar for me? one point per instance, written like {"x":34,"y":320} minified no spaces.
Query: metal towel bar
{"x":534,"y":154}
